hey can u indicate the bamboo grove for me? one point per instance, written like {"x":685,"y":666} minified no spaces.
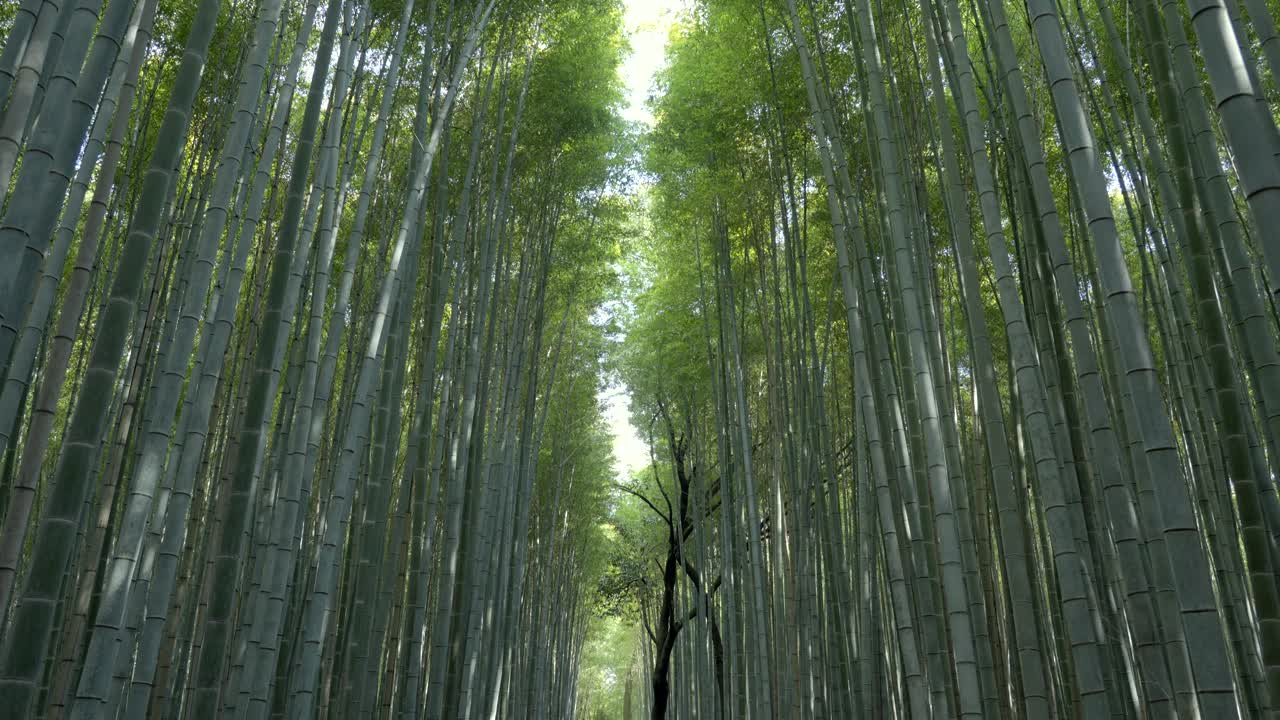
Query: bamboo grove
{"x":953,"y":335}
{"x":299,"y":375}
{"x":949,"y":326}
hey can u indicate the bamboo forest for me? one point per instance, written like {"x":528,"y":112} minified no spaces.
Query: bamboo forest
{"x":639,"y":359}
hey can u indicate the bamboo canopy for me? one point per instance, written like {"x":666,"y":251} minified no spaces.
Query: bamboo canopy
{"x":901,"y":359}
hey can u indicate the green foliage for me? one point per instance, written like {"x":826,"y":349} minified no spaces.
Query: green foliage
{"x":607,"y":662}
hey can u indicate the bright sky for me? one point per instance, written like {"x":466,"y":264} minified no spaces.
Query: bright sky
{"x":648,"y":24}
